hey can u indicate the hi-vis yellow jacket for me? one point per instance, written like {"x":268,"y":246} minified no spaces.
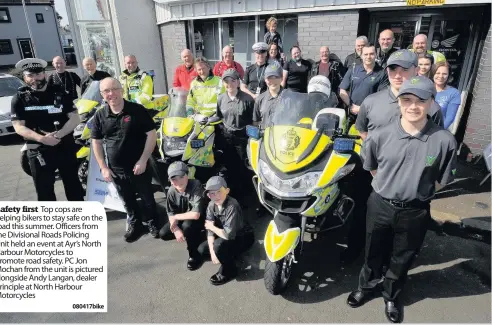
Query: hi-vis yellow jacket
{"x":137,"y":87}
{"x":202,"y":98}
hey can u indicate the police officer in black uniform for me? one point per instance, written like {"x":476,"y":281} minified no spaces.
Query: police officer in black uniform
{"x":46,"y":117}
{"x":407,"y":158}
{"x":254,"y":77}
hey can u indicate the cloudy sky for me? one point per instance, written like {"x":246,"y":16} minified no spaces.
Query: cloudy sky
{"x":62,"y":10}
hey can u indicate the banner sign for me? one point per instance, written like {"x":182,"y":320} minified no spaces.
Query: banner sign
{"x":101,"y":191}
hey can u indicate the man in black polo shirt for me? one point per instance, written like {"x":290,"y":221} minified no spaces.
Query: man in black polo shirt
{"x":362,"y":80}
{"x":406,"y":158}
{"x":229,"y":235}
{"x":129,"y":135}
{"x":254,"y":76}
{"x":92,"y":74}
{"x":235,"y":108}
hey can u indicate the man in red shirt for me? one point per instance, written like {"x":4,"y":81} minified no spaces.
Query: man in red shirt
{"x":185,"y":73}
{"x":228,"y":63}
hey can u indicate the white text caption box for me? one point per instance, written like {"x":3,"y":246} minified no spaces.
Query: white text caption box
{"x":53,"y":257}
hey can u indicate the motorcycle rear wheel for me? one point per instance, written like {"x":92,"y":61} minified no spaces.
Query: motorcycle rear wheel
{"x":82,"y":172}
{"x":277,"y":274}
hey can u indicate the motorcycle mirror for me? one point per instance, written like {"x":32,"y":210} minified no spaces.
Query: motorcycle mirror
{"x":213,"y":119}
{"x":253,"y":131}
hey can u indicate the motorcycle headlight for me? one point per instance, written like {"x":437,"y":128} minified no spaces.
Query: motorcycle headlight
{"x":174,"y":146}
{"x":297,"y":186}
{"x":341,"y":173}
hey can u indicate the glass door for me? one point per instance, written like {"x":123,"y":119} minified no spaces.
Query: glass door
{"x":452,"y":37}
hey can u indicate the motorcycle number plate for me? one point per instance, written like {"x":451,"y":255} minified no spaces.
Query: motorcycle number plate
{"x":196,"y":144}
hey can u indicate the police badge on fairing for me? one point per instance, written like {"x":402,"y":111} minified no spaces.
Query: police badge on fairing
{"x":290,"y":140}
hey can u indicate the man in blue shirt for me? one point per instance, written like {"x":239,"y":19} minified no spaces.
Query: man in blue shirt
{"x":363,"y":80}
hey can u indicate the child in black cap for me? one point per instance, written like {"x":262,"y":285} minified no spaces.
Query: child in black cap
{"x":229,"y":235}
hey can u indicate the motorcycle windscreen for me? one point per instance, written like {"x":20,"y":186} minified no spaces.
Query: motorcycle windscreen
{"x":292,"y":139}
{"x":90,"y":98}
{"x":278,"y":245}
{"x":177,"y":126}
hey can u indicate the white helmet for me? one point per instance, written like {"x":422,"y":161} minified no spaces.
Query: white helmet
{"x":320,"y":84}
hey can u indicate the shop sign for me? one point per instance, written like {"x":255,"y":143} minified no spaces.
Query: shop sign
{"x":425,"y":2}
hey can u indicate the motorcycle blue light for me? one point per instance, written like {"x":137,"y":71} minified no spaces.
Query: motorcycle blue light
{"x":196,"y":144}
{"x":253,"y":131}
{"x":343,"y":145}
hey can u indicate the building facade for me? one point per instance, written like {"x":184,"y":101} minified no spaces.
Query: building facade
{"x":15,"y":40}
{"x":460,"y":29}
{"x":107,"y":30}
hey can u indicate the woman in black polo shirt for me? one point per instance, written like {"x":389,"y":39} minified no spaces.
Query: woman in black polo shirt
{"x":296,"y":71}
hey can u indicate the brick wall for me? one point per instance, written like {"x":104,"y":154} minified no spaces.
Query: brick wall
{"x":336,"y":29}
{"x":477,"y":135}
{"x":173,"y":42}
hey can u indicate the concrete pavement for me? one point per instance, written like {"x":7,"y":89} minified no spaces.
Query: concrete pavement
{"x":148,"y":280}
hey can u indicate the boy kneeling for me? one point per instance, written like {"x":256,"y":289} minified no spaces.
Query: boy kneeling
{"x":229,"y":235}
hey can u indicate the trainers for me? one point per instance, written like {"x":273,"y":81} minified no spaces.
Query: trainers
{"x":154,"y":232}
{"x":132,"y":233}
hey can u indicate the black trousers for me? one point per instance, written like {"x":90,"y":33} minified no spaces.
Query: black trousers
{"x":62,"y":157}
{"x":192,"y":230}
{"x":360,"y":193}
{"x":234,"y":158}
{"x":128,"y":185}
{"x":395,"y":235}
{"x":228,"y":250}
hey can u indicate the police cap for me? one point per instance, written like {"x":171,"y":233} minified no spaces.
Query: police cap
{"x":34,"y":65}
{"x":260,"y":47}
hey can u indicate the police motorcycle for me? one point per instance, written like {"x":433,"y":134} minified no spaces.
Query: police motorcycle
{"x":301,"y":161}
{"x":87,"y":106}
{"x":182,"y":138}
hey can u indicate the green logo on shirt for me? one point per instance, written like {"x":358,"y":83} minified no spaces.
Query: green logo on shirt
{"x":373,"y":78}
{"x":430,"y":160}
{"x":453,"y":171}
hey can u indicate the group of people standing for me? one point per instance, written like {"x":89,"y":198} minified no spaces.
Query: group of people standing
{"x":398,"y":109}
{"x":401,"y":105}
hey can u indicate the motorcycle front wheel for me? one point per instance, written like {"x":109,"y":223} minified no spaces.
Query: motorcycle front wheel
{"x":277,"y":274}
{"x":83,"y":172}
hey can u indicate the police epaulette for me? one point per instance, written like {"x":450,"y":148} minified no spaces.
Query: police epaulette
{"x":24,"y":89}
